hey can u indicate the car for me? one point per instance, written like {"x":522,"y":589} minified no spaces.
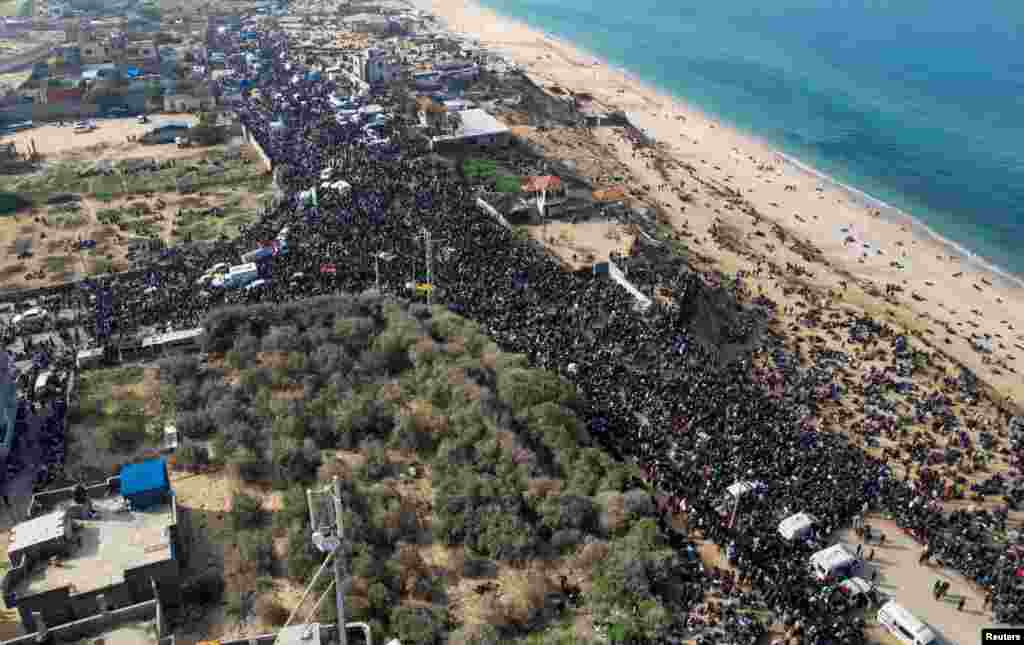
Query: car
{"x":35,"y":314}
{"x":142,"y":119}
{"x":84,"y":126}
{"x":256,"y":284}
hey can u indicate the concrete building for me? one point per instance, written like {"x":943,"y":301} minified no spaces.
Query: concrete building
{"x":139,"y":624}
{"x":473,"y":128}
{"x":71,"y":560}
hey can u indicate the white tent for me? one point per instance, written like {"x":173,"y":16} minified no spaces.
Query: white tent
{"x":796,"y":527}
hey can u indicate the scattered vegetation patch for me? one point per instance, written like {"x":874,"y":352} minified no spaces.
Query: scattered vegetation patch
{"x":457,"y":464}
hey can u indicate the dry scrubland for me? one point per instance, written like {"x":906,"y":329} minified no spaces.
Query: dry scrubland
{"x":114,"y":205}
{"x":470,"y":483}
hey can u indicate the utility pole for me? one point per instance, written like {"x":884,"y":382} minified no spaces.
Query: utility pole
{"x":430,"y":268}
{"x":429,"y":243}
{"x":339,"y":567}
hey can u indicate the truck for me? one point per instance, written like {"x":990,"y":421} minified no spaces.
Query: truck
{"x":237,"y":276}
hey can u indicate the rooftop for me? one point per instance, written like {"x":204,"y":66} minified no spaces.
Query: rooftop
{"x":476,"y":122}
{"x":111,"y":542}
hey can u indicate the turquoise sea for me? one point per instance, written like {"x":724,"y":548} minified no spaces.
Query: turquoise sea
{"x":918,"y":103}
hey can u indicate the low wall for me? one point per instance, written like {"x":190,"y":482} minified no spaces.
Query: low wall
{"x":609,"y":268}
{"x":490,"y":210}
{"x":96,"y":625}
{"x":268,"y":165}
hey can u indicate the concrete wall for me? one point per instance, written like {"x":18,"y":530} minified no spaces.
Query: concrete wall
{"x":264,"y":158}
{"x":612,"y":270}
{"x":490,"y":210}
{"x":96,"y":624}
{"x":59,"y":606}
{"x":68,"y":110}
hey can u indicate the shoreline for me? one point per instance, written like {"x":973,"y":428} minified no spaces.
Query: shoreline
{"x":1007,"y":278}
{"x":949,"y":297}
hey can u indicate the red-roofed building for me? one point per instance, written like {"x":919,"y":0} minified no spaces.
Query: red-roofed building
{"x":548,"y":183}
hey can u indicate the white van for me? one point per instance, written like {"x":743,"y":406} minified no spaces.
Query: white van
{"x":905,"y":626}
{"x":834,"y":562}
{"x":797,"y":527}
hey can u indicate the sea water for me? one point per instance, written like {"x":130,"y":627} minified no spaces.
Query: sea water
{"x":918,"y":103}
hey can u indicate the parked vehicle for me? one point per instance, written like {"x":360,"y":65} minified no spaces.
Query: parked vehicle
{"x":905,"y":626}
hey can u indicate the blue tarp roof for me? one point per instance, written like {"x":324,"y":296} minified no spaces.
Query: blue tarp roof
{"x":144,"y":477}
{"x":133,"y":72}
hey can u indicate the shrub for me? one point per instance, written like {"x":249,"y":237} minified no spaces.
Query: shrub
{"x":271,"y":612}
{"x":420,"y":625}
{"x":478,"y":567}
{"x":380,"y":598}
{"x":194,"y":425}
{"x":205,"y":591}
{"x":569,"y":512}
{"x":248,"y":465}
{"x":613,"y":517}
{"x":192,"y":456}
{"x":591,"y":555}
{"x":638,"y":504}
{"x":523,"y":389}
{"x":303,"y":558}
{"x":566,"y":539}
{"x":377,"y":464}
{"x":295,"y":464}
{"x":246,"y":512}
{"x":122,"y":432}
{"x":257,"y":550}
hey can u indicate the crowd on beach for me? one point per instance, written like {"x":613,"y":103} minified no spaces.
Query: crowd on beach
{"x":675,"y":389}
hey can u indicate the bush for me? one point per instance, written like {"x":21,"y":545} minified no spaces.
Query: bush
{"x":248,"y":465}
{"x":567,"y":539}
{"x":377,"y":465}
{"x":204,"y":591}
{"x":296,"y":464}
{"x":257,"y":550}
{"x":478,"y":567}
{"x":638,"y":504}
{"x":122,"y":432}
{"x":191,"y":456}
{"x":523,"y":389}
{"x":194,"y":425}
{"x":420,"y":625}
{"x":303,"y":558}
{"x":380,"y":598}
{"x":246,"y":512}
{"x":569,"y":512}
{"x":613,"y":517}
{"x":271,"y":612}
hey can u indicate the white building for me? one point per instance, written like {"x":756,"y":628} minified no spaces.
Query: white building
{"x":475,"y":127}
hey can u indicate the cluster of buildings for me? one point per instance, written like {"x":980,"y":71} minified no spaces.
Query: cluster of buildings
{"x":98,"y":561}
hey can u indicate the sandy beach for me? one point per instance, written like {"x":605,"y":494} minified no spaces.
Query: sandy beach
{"x":703,"y":166}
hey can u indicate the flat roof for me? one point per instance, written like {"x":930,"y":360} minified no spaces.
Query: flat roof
{"x":477,"y":122}
{"x":37,"y":530}
{"x":172,"y":337}
{"x":113,"y":541}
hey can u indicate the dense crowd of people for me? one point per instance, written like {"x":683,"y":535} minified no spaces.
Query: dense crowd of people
{"x":669,"y":388}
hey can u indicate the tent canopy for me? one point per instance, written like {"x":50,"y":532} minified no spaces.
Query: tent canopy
{"x":146,"y":482}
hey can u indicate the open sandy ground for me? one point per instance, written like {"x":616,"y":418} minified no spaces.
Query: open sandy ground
{"x":61,"y":142}
{"x":818,"y":211}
